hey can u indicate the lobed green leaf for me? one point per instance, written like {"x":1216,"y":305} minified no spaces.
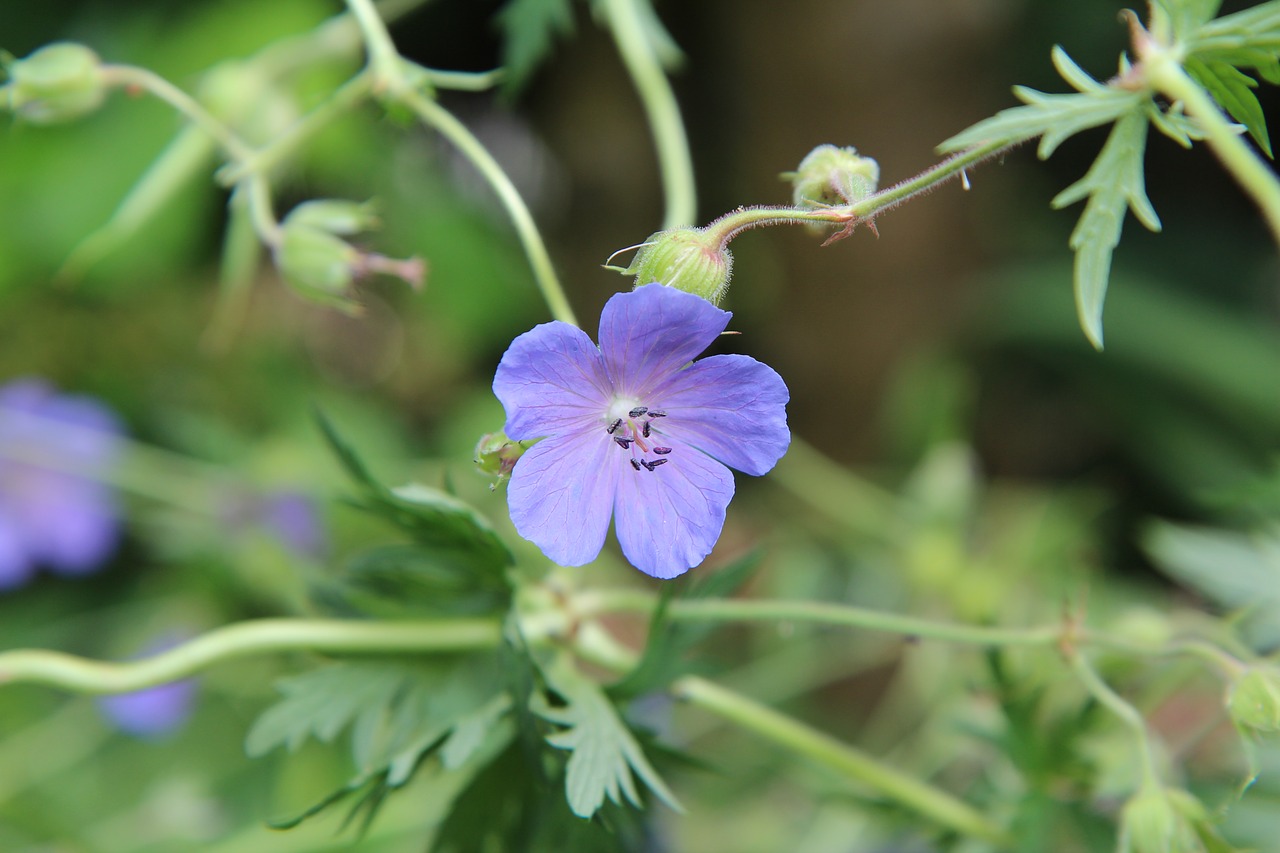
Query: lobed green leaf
{"x":529,"y":31}
{"x":1113,"y":183}
{"x":1233,"y":90}
{"x":604,"y":753}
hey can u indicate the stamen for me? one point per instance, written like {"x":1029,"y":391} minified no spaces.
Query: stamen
{"x":651,"y":465}
{"x":635,"y":463}
{"x":613,"y":427}
{"x":645,"y":431}
{"x":662,"y":451}
{"x":624,"y":443}
{"x":638,"y":411}
{"x":656,"y":414}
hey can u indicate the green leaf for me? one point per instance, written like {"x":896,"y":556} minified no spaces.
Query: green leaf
{"x":1233,"y":90}
{"x":429,"y":516}
{"x":412,"y":581}
{"x":1114,"y":182}
{"x":321,"y":703}
{"x":529,"y":31}
{"x":398,"y":716}
{"x":1238,"y":571}
{"x":1054,"y":118}
{"x":604,"y":752}
{"x":1254,"y":29}
{"x":1187,"y":16}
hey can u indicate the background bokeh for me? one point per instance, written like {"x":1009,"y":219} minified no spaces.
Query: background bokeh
{"x":941,"y":361}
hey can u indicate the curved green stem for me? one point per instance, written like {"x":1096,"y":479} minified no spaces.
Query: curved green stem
{"x":130,"y":76}
{"x":441,"y":120}
{"x":674,"y":162}
{"x":821,"y":748}
{"x":1122,"y":709}
{"x":1163,"y":72}
{"x":258,"y":637}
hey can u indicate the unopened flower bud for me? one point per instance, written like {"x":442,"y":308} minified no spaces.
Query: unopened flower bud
{"x":1254,"y":700}
{"x":318,"y":264}
{"x":496,"y":456}
{"x":1159,"y":820}
{"x":316,"y":260}
{"x":688,"y":259}
{"x":59,"y":82}
{"x":336,"y":216}
{"x":830,"y":175}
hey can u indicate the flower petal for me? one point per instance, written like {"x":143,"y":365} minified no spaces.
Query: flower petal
{"x":653,"y":331}
{"x":669,"y":519}
{"x":550,"y":380}
{"x":731,"y":407}
{"x":561,"y":494}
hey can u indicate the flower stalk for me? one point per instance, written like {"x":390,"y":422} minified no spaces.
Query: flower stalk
{"x":821,"y":748}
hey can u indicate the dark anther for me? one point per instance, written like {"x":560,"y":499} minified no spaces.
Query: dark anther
{"x":614,"y":426}
{"x":662,"y":451}
{"x":636,"y":464}
{"x":647,"y":425}
{"x":654,"y":464}
{"x":638,"y":411}
{"x":657,"y":414}
{"x":624,"y":443}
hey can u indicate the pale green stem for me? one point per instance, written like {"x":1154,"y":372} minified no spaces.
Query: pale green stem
{"x":258,"y":197}
{"x":442,"y":121}
{"x":130,"y":76}
{"x":1130,"y":715}
{"x":390,"y":68}
{"x":821,"y":748}
{"x":258,"y":637}
{"x":1162,"y":71}
{"x":665,"y":123}
{"x":267,"y":157}
{"x":815,"y":612}
{"x":949,"y":169}
{"x":384,"y":59}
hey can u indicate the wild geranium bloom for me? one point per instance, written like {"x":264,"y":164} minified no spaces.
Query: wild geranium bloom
{"x":60,"y":518}
{"x":632,"y":431}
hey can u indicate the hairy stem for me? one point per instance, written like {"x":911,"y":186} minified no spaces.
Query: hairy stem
{"x":665,"y":122}
{"x":821,"y":748}
{"x":1130,"y":715}
{"x":258,"y":637}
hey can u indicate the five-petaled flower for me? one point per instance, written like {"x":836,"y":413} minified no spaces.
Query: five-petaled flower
{"x":632,"y":431}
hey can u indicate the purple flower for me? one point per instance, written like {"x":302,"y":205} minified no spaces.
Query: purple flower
{"x":151,"y":713}
{"x":52,"y":512}
{"x":632,"y":431}
{"x":295,"y":520}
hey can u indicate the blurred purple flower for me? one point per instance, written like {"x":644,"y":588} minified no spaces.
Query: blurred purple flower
{"x":58,"y":517}
{"x":295,"y":520}
{"x":151,"y":713}
{"x":632,"y":431}
{"x":156,"y":711}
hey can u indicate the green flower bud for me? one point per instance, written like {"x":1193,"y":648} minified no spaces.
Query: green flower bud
{"x":829,"y":176}
{"x":496,"y":455}
{"x":317,"y":264}
{"x":688,"y":259}
{"x":322,"y":266}
{"x":336,"y":216}
{"x":59,"y":82}
{"x":1254,"y":700}
{"x":1158,"y":820}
